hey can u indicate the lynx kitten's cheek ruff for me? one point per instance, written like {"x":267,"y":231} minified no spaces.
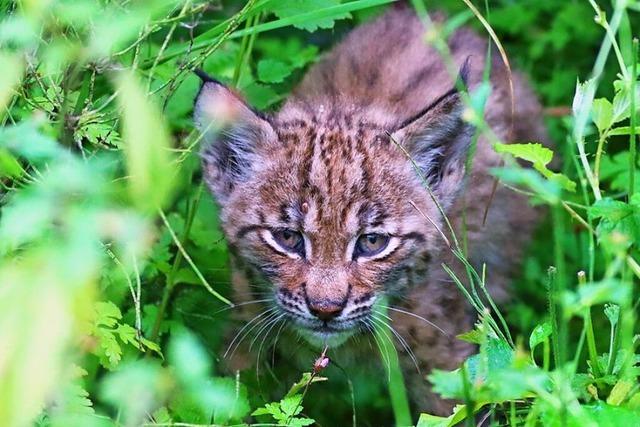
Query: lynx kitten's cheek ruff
{"x":321,"y":201}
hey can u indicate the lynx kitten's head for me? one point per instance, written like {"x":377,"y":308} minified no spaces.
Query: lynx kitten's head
{"x":324,"y":202}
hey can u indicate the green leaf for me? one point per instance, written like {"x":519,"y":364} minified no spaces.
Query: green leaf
{"x":619,"y":392}
{"x":621,"y":106}
{"x":612,"y":416}
{"x":594,"y":293}
{"x":273,"y":71}
{"x":110,"y":348}
{"x":146,"y":146}
{"x":301,"y":422}
{"x":548,"y":191}
{"x":602,"y":114}
{"x":302,"y":383}
{"x":107,"y":314}
{"x":611,"y":210}
{"x":539,"y":157}
{"x":540,"y":333}
{"x":288,"y":8}
{"x":474,"y":336}
{"x":9,"y":166}
{"x":612,"y":311}
{"x":534,"y":153}
{"x":623,"y":130}
{"x":291,"y":405}
{"x":459,"y":414}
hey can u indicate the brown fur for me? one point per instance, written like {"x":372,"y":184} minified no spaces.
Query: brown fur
{"x":328,"y":164}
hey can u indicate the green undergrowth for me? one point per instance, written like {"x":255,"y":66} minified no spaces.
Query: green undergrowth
{"x":114,"y":278}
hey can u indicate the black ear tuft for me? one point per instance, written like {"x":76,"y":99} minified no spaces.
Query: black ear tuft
{"x":232,"y":133}
{"x":206,"y":78}
{"x":437,"y":139}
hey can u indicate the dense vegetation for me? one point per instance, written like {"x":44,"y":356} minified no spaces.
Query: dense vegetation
{"x":114,"y":281}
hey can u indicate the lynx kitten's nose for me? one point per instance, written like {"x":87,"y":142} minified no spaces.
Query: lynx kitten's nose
{"x":324,"y":311}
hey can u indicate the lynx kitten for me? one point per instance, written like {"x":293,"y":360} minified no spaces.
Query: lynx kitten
{"x":321,"y":201}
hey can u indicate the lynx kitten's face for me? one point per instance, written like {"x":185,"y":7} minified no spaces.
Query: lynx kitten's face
{"x":323,"y":203}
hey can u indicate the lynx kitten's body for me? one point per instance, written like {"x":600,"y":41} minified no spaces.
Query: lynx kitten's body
{"x":321,"y":201}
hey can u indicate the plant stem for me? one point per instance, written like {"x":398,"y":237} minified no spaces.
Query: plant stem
{"x":632,"y":134}
{"x":170,"y":281}
{"x":591,"y":339}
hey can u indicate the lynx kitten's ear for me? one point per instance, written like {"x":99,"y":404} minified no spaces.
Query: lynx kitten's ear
{"x":232,"y":131}
{"x":437,"y":139}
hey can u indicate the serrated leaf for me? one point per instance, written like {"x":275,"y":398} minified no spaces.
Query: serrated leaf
{"x":107,"y":314}
{"x":612,"y":311}
{"x":288,"y":8}
{"x":127,"y":334}
{"x":291,"y":405}
{"x":301,"y":422}
{"x":273,"y":71}
{"x":539,"y":157}
{"x":110,"y":347}
{"x":612,"y":210}
{"x":533,"y":152}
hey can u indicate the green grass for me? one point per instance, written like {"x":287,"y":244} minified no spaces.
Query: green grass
{"x":114,"y":280}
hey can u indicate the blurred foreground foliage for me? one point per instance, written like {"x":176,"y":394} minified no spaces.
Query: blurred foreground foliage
{"x":112,"y":266}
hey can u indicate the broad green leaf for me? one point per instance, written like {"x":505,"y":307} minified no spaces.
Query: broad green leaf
{"x":612,"y":416}
{"x":539,"y":157}
{"x":534,"y":153}
{"x":590,"y":294}
{"x":288,"y":8}
{"x":612,"y":210}
{"x":146,"y":146}
{"x":540,"y":333}
{"x":273,"y":71}
{"x":602,"y":114}
{"x":621,"y":106}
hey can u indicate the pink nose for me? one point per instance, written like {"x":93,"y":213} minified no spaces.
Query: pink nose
{"x":324,"y":311}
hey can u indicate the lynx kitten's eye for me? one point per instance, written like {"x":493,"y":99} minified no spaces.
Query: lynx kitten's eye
{"x":289,"y":240}
{"x":371,"y":244}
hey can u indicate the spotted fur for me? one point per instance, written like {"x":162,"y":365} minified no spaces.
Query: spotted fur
{"x":333,"y":164}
